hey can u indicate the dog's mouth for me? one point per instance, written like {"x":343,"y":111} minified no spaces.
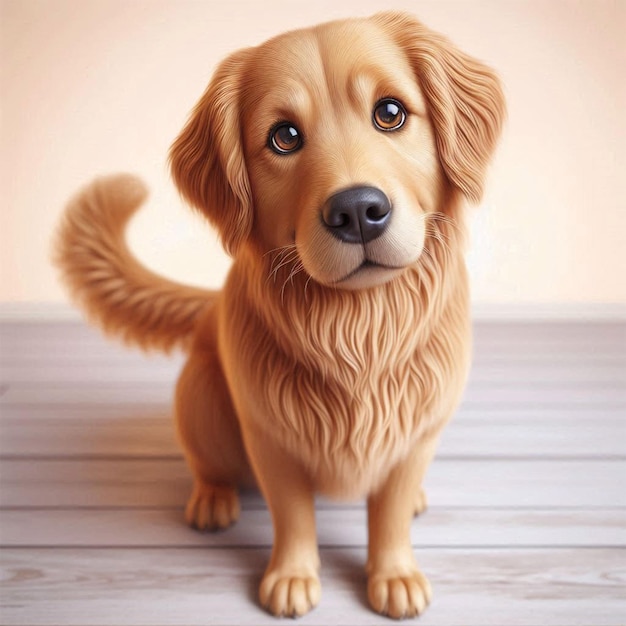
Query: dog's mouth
{"x":367,"y":265}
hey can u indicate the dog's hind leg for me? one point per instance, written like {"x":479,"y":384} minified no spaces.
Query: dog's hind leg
{"x":209,"y":432}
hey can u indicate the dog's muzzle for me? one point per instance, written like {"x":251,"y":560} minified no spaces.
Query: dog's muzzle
{"x":357,"y":215}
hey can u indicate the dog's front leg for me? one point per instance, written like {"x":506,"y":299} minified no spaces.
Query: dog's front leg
{"x":291,"y":585}
{"x":396,"y":587}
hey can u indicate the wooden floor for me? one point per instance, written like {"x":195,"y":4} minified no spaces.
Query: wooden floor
{"x":528,"y":502}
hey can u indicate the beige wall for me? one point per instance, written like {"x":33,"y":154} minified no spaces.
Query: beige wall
{"x":91,"y":87}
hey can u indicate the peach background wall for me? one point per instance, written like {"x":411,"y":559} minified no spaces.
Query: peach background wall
{"x":92,"y":86}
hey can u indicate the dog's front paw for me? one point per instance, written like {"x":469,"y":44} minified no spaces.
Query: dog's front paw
{"x":289,"y":595}
{"x":399,"y":596}
{"x":212,"y":507}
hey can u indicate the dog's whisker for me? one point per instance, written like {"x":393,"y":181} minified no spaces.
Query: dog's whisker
{"x":280,"y":249}
{"x":446,"y":219}
{"x":427,"y":258}
{"x":282,"y":260}
{"x":441,"y":234}
{"x":282,"y":252}
{"x":287,"y":254}
{"x":435,"y":220}
{"x":282,"y":265}
{"x":306,"y":285}
{"x":297,"y":268}
{"x":436,"y":234}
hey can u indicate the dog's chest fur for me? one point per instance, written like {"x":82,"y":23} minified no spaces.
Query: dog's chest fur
{"x":349,"y":385}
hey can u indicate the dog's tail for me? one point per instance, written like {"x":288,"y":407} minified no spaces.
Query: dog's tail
{"x":115,"y":290}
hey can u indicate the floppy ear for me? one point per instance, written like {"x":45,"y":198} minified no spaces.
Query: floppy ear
{"x":207,"y":160}
{"x":465,"y":100}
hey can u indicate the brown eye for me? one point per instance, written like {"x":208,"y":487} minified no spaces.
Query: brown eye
{"x":389,"y":114}
{"x":284,"y":138}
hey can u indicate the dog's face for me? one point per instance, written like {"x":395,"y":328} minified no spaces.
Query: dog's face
{"x":340,"y":153}
{"x":332,"y":145}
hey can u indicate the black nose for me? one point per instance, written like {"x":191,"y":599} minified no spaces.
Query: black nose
{"x":357,"y":215}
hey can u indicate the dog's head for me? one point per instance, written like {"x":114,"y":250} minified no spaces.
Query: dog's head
{"x":335,"y":143}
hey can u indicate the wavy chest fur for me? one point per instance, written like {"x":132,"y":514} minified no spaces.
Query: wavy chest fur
{"x":351,"y":380}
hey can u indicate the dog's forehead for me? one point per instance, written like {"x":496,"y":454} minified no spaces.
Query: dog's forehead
{"x":334,"y":55}
{"x":330,"y":51}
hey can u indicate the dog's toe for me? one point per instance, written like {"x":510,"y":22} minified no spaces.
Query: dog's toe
{"x":212,"y":507}
{"x":399,"y":596}
{"x":289,"y":596}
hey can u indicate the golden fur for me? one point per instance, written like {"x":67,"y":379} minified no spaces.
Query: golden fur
{"x":310,"y":371}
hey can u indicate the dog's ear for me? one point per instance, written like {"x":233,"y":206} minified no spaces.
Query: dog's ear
{"x":465,"y":100}
{"x":207,"y":160}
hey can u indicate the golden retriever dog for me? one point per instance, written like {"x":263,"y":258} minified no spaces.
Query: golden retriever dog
{"x":335,"y":163}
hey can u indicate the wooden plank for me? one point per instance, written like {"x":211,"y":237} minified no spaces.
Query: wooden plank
{"x":556,"y":415}
{"x":28,"y":351}
{"x":113,"y":353}
{"x":502,"y":436}
{"x":94,"y":483}
{"x":194,"y":586}
{"x":93,"y":393}
{"x":495,"y":331}
{"x":137,"y":436}
{"x":485,"y":372}
{"x":163,"y":411}
{"x":533,"y":395}
{"x":92,"y":369}
{"x":84,"y":412}
{"x":336,"y":527}
{"x":507,"y":332}
{"x":121,"y":366}
{"x":75,"y":343}
{"x":548,"y":373}
{"x":91,"y":431}
{"x":463,"y":482}
{"x":491,"y":332}
{"x":138,"y":392}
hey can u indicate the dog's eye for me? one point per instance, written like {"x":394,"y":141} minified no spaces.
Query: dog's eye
{"x":284,"y":138}
{"x":389,"y":114}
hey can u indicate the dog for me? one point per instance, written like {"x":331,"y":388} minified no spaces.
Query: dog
{"x":335,"y":163}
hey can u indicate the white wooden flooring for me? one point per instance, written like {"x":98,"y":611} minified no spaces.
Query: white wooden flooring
{"x":527,"y":518}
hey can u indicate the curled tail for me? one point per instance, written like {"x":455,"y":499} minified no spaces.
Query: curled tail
{"x":115,"y":290}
